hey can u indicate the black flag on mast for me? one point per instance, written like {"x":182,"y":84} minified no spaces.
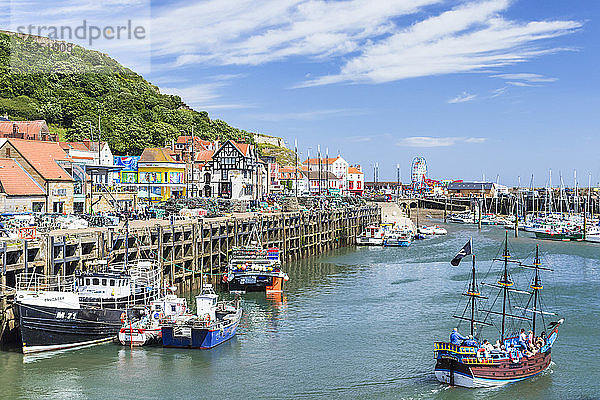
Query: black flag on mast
{"x":465,"y":251}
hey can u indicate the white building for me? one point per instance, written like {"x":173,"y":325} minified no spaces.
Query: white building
{"x":356,"y":180}
{"x":336,"y":165}
{"x":289,"y":177}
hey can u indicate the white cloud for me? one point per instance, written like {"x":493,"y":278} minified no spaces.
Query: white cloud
{"x":521,"y":84}
{"x":203,"y":96}
{"x":429,"y":141}
{"x":248,"y":32}
{"x":462,"y":98}
{"x":471,"y":37}
{"x":526,"y":77}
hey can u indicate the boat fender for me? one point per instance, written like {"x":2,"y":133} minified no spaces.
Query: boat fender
{"x":123,"y":317}
{"x":156,"y":315}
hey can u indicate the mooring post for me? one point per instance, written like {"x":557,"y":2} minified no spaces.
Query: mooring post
{"x":479,"y":222}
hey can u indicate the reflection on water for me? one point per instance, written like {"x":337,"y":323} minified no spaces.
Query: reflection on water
{"x":355,"y":323}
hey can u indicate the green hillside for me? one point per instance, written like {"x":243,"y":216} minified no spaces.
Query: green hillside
{"x":69,"y":88}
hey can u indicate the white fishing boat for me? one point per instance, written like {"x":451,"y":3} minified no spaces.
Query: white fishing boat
{"x":372,"y":236}
{"x":438,"y":230}
{"x":426,"y":230}
{"x":147,"y":329}
{"x":397,"y":237}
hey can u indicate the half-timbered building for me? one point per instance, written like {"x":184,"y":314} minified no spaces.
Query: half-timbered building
{"x":235,"y":171}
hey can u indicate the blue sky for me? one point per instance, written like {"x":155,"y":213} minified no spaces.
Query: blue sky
{"x":492,"y":87}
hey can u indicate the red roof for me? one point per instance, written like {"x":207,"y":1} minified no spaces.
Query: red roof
{"x":32,"y":130}
{"x":198,"y":143}
{"x":323,"y":160}
{"x":158,"y":154}
{"x":354,"y":170}
{"x":80,"y":146}
{"x":15,"y":181}
{"x":43,"y":157}
{"x":204,"y":155}
{"x":243,"y":147}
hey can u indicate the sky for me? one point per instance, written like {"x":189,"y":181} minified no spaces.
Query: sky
{"x":493,"y":89}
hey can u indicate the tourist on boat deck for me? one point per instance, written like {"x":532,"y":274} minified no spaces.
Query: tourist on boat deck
{"x":456,"y":338}
{"x":470,"y":341}
{"x":523,"y":339}
{"x":487,"y":346}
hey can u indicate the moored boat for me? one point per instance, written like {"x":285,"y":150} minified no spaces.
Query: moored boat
{"x":372,"y":236}
{"x":57,"y":312}
{"x":397,"y":238}
{"x":214,"y":323}
{"x":469,"y":362}
{"x":147,"y":329}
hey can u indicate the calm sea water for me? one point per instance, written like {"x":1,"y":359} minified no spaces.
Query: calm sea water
{"x":358,"y":323}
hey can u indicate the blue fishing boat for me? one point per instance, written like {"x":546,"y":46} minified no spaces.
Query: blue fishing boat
{"x":397,"y":238}
{"x":214,"y":323}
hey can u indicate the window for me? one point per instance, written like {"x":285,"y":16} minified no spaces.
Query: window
{"x":358,"y":184}
{"x":95,"y":281}
{"x":112,"y":282}
{"x":103,"y":282}
{"x":58,"y":207}
{"x":87,"y":281}
{"x":224,"y":175}
{"x":350,"y":185}
{"x":173,"y":308}
{"x":37,"y":206}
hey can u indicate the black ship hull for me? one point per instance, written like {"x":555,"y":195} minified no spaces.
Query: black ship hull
{"x":53,"y":328}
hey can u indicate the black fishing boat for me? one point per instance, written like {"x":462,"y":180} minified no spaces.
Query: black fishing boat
{"x":57,"y":312}
{"x":473,"y":363}
{"x":252,"y":268}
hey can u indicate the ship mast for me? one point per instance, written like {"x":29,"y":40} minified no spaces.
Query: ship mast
{"x":537,"y":285}
{"x":473,"y":293}
{"x":505,"y":282}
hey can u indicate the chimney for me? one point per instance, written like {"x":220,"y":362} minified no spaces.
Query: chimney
{"x":15,"y":130}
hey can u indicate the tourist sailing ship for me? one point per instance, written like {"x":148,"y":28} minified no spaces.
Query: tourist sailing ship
{"x":470,"y":364}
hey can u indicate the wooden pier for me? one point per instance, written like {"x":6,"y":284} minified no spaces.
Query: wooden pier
{"x":186,"y":249}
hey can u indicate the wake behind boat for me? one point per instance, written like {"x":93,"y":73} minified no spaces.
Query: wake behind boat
{"x":471,"y":362}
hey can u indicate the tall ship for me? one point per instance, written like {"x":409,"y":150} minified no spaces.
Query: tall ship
{"x":59,"y":312}
{"x":252,"y":268}
{"x":517,"y":354}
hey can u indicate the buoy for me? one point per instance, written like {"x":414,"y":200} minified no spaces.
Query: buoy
{"x":286,"y":278}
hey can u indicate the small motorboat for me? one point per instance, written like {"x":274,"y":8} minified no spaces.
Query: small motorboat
{"x":397,"y":237}
{"x":438,"y":230}
{"x":214,"y":323}
{"x":426,"y":230}
{"x":372,"y":236}
{"x":146,"y":330}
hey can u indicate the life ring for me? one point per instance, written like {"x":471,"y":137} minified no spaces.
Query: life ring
{"x":513,"y":359}
{"x":123,"y":317}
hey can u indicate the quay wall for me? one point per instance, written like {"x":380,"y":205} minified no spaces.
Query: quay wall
{"x":186,"y":249}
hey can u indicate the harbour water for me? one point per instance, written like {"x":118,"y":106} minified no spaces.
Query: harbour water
{"x":355,"y":323}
